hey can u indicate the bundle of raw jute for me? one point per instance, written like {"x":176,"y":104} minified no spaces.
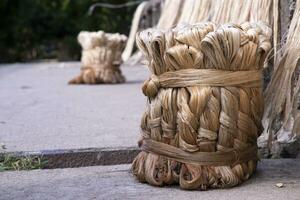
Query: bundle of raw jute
{"x":101,"y":58}
{"x":204,"y":104}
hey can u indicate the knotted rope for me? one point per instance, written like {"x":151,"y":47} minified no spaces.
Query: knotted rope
{"x":202,"y":77}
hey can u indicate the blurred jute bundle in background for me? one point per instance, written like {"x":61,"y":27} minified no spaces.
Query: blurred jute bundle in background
{"x":101,"y":58}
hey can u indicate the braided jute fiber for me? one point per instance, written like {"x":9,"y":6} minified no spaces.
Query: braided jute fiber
{"x":101,"y":58}
{"x":205,"y":104}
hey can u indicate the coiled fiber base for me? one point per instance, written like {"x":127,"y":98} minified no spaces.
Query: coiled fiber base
{"x":158,"y":171}
{"x":205,"y":104}
{"x":101,"y":58}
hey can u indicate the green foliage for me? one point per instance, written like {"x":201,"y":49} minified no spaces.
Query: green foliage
{"x":39,"y":29}
{"x":8,"y":162}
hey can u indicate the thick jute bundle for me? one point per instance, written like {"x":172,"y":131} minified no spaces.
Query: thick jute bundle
{"x":101,"y":58}
{"x":205,"y":104}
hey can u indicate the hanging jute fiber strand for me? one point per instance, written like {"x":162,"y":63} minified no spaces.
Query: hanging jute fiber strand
{"x":218,"y":11}
{"x":205,"y":104}
{"x":101,"y":58}
{"x":282,"y":114}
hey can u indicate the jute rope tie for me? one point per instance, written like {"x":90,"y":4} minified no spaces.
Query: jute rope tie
{"x":200,"y":77}
{"x":218,"y":158}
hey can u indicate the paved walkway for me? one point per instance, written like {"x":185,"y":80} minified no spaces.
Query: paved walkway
{"x":40,"y":111}
{"x":115,"y":182}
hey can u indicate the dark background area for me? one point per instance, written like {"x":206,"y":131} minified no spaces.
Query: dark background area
{"x":47,"y":29}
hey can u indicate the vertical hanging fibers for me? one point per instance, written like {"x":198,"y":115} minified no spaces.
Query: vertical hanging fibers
{"x":282,"y":115}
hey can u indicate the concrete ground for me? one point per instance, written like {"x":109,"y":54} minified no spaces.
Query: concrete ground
{"x":40,"y":111}
{"x":115,"y":182}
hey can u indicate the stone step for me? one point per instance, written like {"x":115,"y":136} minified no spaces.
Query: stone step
{"x":70,"y":158}
{"x":116,"y":182}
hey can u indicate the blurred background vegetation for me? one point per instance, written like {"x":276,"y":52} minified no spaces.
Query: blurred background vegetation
{"x":47,"y":29}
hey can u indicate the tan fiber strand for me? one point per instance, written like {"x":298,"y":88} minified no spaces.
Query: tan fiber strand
{"x":101,"y":58}
{"x":276,"y":28}
{"x":261,"y":11}
{"x":133,"y":30}
{"x":171,"y":8}
{"x":205,"y":104}
{"x":187,"y":10}
{"x":200,"y":11}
